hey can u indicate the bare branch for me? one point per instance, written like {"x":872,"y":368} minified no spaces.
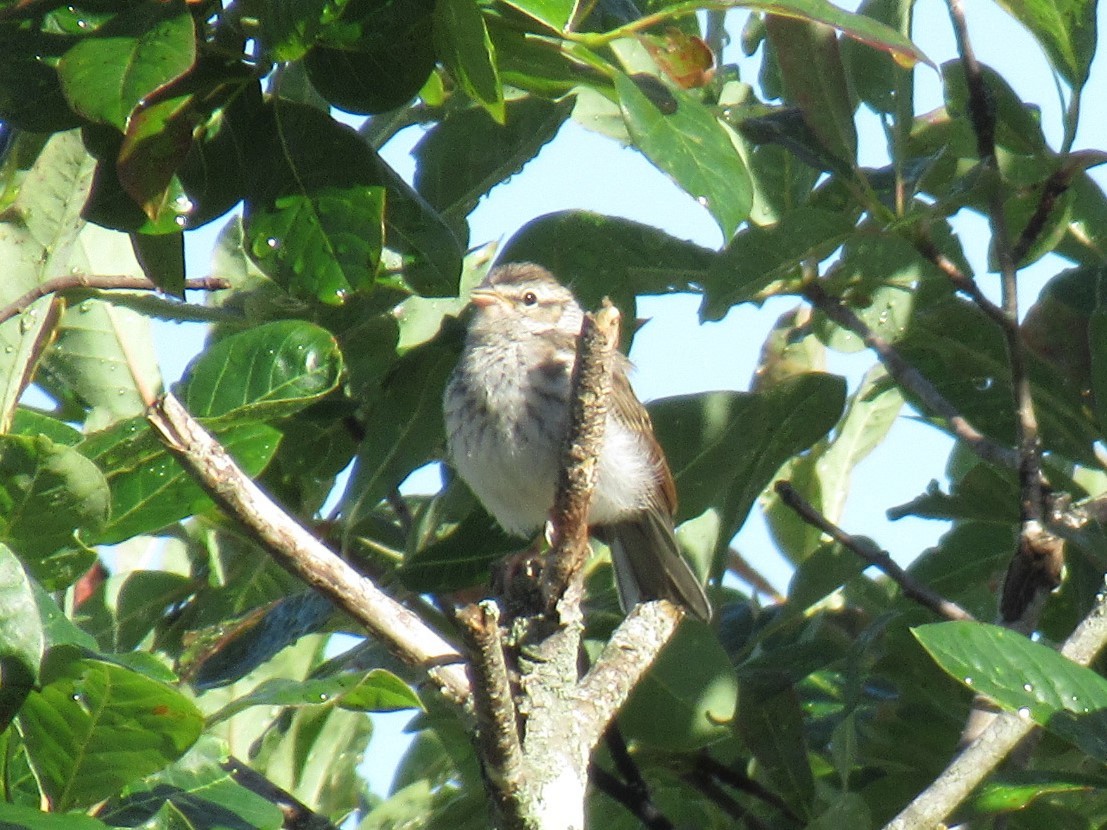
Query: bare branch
{"x":590,"y":396}
{"x":99,"y":282}
{"x":498,"y":739}
{"x":997,"y":741}
{"x":866,"y":550}
{"x":910,"y":378}
{"x":300,"y":553}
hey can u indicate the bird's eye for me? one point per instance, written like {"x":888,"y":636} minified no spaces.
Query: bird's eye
{"x":530,"y":298}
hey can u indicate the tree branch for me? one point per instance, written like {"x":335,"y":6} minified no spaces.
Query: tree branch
{"x":869,"y":552}
{"x":996,"y":742}
{"x":99,"y":282}
{"x":300,"y":553}
{"x":590,"y":396}
{"x":498,"y":742}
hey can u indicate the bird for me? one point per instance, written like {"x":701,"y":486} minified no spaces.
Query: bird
{"x":506,"y":410}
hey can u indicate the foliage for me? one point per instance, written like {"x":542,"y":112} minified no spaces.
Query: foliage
{"x":144,"y":640}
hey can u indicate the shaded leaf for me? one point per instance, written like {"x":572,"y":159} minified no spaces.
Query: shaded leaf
{"x":814,"y":80}
{"x":758,"y":256}
{"x":107,"y":74}
{"x":467,"y":154}
{"x":771,"y":725}
{"x":688,"y":696}
{"x":461,"y":558}
{"x":725,"y":447}
{"x":234,"y":648}
{"x":609,"y":256}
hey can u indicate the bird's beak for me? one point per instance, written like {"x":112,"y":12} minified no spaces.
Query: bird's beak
{"x":484,"y":297}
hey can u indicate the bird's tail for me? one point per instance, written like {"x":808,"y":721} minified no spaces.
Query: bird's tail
{"x":648,"y":564}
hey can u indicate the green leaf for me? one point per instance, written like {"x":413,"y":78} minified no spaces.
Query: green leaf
{"x":107,"y":74}
{"x":607,"y":256}
{"x":198,"y":785}
{"x":871,"y":32}
{"x":314,"y":755}
{"x":1013,"y":790}
{"x":377,"y":691}
{"x":725,"y":447}
{"x":555,"y":14}
{"x":1066,"y":30}
{"x":966,"y":360}
{"x":149,"y":489}
{"x":104,"y":353}
{"x":49,"y":495}
{"x":687,"y":697}
{"x":36,"y":243}
{"x":17,"y":817}
{"x":466,"y":50}
{"x":814,"y":80}
{"x":270,"y":371}
{"x":313,"y":217}
{"x":22,"y":639}
{"x":95,"y":726}
{"x":32,"y":423}
{"x":758,"y":256}
{"x":693,"y":148}
{"x":1025,"y":677}
{"x":467,"y":154}
{"x":323,"y":244}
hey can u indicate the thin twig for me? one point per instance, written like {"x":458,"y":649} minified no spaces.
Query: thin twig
{"x":706,"y":765}
{"x":297,"y":815}
{"x":100,"y":282}
{"x":299,"y":552}
{"x":866,"y":550}
{"x":1026,"y":584}
{"x":628,"y":795}
{"x":930,"y":807}
{"x":910,"y":378}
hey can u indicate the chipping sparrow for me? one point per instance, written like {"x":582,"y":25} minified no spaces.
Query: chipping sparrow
{"x":507,"y":413}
